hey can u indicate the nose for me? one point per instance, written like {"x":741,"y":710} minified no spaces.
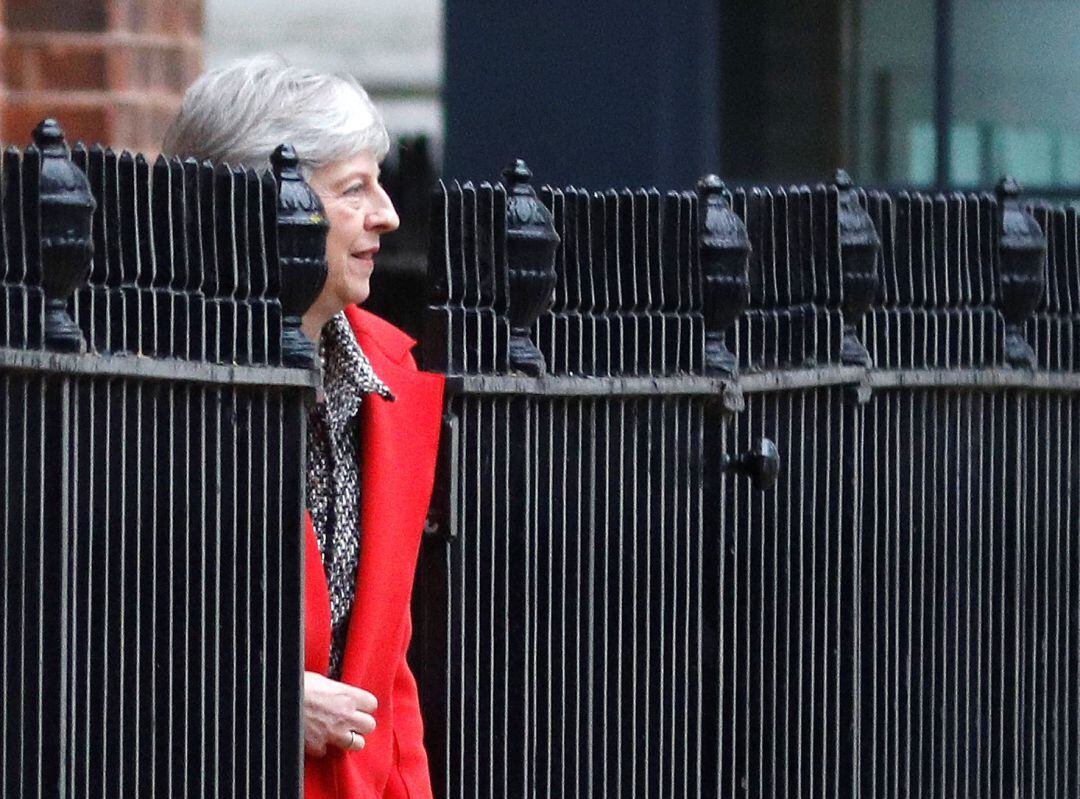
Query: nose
{"x":383,"y":217}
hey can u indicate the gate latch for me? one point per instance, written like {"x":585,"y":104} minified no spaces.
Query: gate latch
{"x":761,"y":463}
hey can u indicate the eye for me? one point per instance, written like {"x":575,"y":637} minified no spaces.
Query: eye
{"x":356,"y":188}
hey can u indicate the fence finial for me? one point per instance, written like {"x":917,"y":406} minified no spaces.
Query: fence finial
{"x":66,"y":208}
{"x":531,"y":241}
{"x":859,"y":245}
{"x":724,"y":256}
{"x":301,"y":233}
{"x":1021,"y":255}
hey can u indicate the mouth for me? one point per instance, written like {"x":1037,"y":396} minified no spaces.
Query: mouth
{"x":367,"y":256}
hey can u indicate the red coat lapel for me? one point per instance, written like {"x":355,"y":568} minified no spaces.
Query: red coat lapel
{"x":400,"y":440}
{"x":317,"y":627}
{"x":397,"y":472}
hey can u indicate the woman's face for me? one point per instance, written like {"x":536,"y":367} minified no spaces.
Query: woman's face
{"x":359,"y":211}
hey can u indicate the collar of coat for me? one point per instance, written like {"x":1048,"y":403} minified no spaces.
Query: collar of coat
{"x":348,"y":375}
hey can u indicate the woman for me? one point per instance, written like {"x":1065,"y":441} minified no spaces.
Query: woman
{"x":372,"y":436}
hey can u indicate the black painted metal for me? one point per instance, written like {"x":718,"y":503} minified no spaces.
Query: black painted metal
{"x":761,"y":463}
{"x":179,"y":249}
{"x":22,"y":320}
{"x":530,"y":251}
{"x":65,"y":206}
{"x":151,"y":494}
{"x":613,"y":608}
{"x":723,"y":255}
{"x":859,"y":245}
{"x":1021,"y":271}
{"x":301,"y":251}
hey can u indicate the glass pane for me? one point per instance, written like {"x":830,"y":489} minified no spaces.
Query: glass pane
{"x":1016,"y":66}
{"x":890,"y":80}
{"x":922,"y":152}
{"x":1070,"y":159}
{"x":965,"y":147}
{"x":1015,"y":69}
{"x":1025,"y":153}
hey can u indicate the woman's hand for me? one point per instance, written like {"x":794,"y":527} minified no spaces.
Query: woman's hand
{"x":335,"y":714}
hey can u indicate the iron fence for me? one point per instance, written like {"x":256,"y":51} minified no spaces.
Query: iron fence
{"x":755,"y":492}
{"x":153,"y":387}
{"x":616,"y":600}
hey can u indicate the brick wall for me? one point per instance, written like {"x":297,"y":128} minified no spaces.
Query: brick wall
{"x":112,"y":71}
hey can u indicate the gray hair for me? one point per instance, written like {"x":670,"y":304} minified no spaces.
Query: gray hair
{"x":240,"y":113}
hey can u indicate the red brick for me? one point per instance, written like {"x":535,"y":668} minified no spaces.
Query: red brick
{"x":112,"y":71}
{"x":140,"y":125}
{"x":80,"y":123}
{"x":120,"y":68}
{"x":193,"y":65}
{"x":168,"y":17}
{"x":158,"y":69}
{"x":153,"y":66}
{"x":54,"y":66}
{"x":56,"y":15}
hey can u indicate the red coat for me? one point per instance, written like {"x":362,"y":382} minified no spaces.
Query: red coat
{"x":397,"y":465}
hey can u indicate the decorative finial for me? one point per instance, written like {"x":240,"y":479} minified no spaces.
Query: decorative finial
{"x":531,"y":242}
{"x":301,"y":231}
{"x":517,"y":172}
{"x":1021,"y":271}
{"x":284,"y":162}
{"x":859,"y":246}
{"x":710,"y":184}
{"x":49,"y":137}
{"x":1008,"y":187}
{"x":66,"y":208}
{"x":723,"y":257}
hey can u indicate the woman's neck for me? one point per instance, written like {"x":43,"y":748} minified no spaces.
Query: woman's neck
{"x":311,"y":323}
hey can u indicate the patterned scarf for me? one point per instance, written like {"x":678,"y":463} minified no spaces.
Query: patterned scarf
{"x":333,"y":473}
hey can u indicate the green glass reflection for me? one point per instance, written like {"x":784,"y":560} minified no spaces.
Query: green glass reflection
{"x":1016,"y":64}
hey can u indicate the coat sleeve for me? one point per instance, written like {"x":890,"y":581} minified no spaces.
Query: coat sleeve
{"x":410,"y":757}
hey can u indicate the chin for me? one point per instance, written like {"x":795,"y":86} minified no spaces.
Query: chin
{"x":359,"y":295}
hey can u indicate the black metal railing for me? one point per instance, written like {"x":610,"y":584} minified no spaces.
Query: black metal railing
{"x":756,"y":492}
{"x":616,"y":600}
{"x":153,"y":387}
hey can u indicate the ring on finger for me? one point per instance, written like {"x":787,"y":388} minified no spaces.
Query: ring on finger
{"x":354,"y":739}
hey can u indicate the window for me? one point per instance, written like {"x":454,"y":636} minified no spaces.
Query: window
{"x":1002,"y":87}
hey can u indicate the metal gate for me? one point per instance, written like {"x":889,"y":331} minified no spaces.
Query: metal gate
{"x":615,"y":600}
{"x":151,"y":462}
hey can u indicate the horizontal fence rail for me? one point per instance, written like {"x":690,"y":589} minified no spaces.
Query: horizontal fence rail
{"x":766,"y":492}
{"x":152,"y":414}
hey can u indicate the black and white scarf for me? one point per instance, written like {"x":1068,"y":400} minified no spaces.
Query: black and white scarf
{"x":333,"y":473}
